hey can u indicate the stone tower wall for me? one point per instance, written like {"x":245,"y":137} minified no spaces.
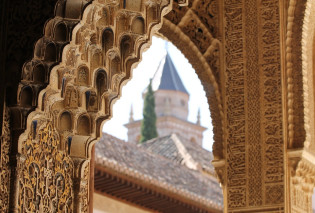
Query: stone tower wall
{"x":169,"y":102}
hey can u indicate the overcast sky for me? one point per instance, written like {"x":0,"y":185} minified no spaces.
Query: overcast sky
{"x":132,"y":91}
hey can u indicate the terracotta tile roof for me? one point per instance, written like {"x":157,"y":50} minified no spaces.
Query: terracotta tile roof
{"x":157,"y":170}
{"x":163,"y":146}
{"x":166,"y":147}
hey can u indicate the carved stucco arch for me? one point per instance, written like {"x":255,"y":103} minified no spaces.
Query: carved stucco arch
{"x":175,"y":35}
{"x":64,"y":93}
{"x":205,"y":73}
{"x":301,"y":155}
{"x":308,"y":50}
{"x":49,"y":103}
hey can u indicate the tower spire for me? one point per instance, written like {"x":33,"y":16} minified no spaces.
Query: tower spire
{"x":131,"y":114}
{"x":166,"y":46}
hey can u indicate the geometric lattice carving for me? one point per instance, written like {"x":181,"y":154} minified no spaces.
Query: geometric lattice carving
{"x":45,"y":179}
{"x":274,"y":194}
{"x":253,"y":100}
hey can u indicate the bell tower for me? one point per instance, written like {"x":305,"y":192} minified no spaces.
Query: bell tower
{"x":171,"y":107}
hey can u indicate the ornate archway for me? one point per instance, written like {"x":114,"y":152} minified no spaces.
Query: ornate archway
{"x":241,"y":52}
{"x":103,"y":47}
{"x":301,"y":157}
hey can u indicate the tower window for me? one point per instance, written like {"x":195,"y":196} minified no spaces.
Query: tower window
{"x":169,"y":100}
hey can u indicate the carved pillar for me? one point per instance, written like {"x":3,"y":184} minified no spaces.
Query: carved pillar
{"x":3,"y":34}
{"x":302,"y":181}
{"x":301,"y":200}
{"x":81,"y":186}
{"x":91,"y":179}
{"x":254,"y":148}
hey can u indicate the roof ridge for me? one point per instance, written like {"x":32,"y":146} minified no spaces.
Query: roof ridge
{"x":173,"y":75}
{"x":188,"y":159}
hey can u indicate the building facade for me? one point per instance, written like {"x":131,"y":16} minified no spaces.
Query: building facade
{"x":255,"y":60}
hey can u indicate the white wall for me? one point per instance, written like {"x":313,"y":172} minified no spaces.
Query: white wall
{"x":104,"y":204}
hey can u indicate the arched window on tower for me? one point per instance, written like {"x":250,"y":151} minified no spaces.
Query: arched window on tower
{"x":193,"y":140}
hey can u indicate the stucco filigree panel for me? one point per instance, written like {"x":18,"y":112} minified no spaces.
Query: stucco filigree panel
{"x":308,"y":36}
{"x":5,"y":172}
{"x":255,"y":173}
{"x":78,"y":98}
{"x":45,"y":172}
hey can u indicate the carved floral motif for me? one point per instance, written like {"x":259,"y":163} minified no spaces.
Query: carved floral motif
{"x":197,"y":33}
{"x":253,"y":95}
{"x":4,"y":163}
{"x":207,"y":12}
{"x":235,"y":101}
{"x":302,"y":185}
{"x":84,"y":189}
{"x":45,"y":173}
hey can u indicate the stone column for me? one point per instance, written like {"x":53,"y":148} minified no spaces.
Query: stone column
{"x":254,"y":147}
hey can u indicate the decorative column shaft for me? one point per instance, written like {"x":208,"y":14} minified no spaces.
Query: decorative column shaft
{"x":254,"y":137}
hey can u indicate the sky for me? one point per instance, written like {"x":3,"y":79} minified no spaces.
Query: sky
{"x":141,"y":75}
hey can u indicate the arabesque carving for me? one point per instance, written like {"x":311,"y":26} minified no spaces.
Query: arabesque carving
{"x":5,"y":172}
{"x":45,"y":172}
{"x":302,"y":183}
{"x":188,"y":29}
{"x":253,"y":97}
{"x":81,"y":63}
{"x":308,"y":60}
{"x":294,"y":76}
{"x":84,"y":189}
{"x":76,"y":101}
{"x":235,"y":101}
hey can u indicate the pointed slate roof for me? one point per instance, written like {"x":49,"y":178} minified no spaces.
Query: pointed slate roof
{"x":169,"y":78}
